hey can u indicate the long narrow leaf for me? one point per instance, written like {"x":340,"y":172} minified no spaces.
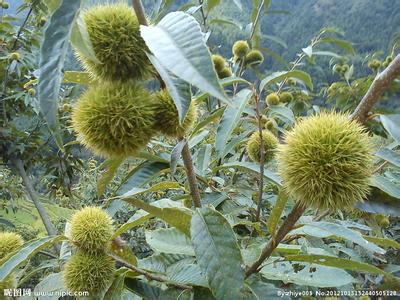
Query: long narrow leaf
{"x":11,"y":262}
{"x":52,"y":57}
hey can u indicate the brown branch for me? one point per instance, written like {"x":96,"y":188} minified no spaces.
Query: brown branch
{"x":33,"y":196}
{"x":203,"y":15}
{"x":138,"y":7}
{"x":193,"y":185}
{"x":381,"y":82}
{"x":51,"y":230}
{"x":253,"y":30}
{"x":149,"y":275}
{"x":262,"y":158}
{"x":283,"y":230}
{"x":321,"y":216}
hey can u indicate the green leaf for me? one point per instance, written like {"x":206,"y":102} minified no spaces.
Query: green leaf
{"x":176,"y":217}
{"x":80,"y":39}
{"x":114,"y":292}
{"x":230,"y":119}
{"x":52,"y":57}
{"x":176,"y":155}
{"x":382,"y":241}
{"x":170,"y":241}
{"x":165,"y":185}
{"x":328,"y":53}
{"x":168,"y":42}
{"x":389,"y":155}
{"x":178,"y":89}
{"x":349,"y":73}
{"x":203,"y":159}
{"x":276,"y":212}
{"x":224,"y":82}
{"x":345,"y":45}
{"x":300,"y":274}
{"x":279,"y":76}
{"x":210,"y":118}
{"x":141,"y":175}
{"x":11,"y":262}
{"x":151,"y":292}
{"x":327,"y":229}
{"x":141,"y":216}
{"x":263,"y":290}
{"x":342,"y":263}
{"x":52,"y":4}
{"x":187,"y":274}
{"x":218,"y":254}
{"x":211,"y":4}
{"x":385,"y":185}
{"x":112,"y":166}
{"x":52,"y":283}
{"x":252,"y":168}
{"x":282,"y":112}
{"x":391,"y":124}
{"x":308,"y":51}
{"x":77,"y":77}
{"x":238,"y":3}
{"x":160,"y":262}
{"x":226,"y":22}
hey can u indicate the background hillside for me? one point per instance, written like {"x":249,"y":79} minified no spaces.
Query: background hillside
{"x":370,"y":24}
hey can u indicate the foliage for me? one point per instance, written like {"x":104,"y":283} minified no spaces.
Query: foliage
{"x":150,"y":241}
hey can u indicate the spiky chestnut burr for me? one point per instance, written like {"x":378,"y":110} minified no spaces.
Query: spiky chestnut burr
{"x":254,"y":58}
{"x":219,"y":62}
{"x":91,"y":229}
{"x":114,"y":119}
{"x":254,"y":146}
{"x":91,"y":273}
{"x":15,"y":56}
{"x":272,"y":99}
{"x":225,"y":73}
{"x":114,"y":32}
{"x":286,"y":97}
{"x":240,"y":49}
{"x":326,"y":162}
{"x":9,"y":242}
{"x":167,"y":118}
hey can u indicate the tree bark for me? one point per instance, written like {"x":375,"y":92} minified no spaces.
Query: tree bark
{"x":193,"y":185}
{"x":138,"y":7}
{"x":51,"y":230}
{"x":381,"y":82}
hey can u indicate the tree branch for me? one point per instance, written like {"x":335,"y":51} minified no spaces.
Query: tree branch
{"x":149,"y":275}
{"x":193,"y":185}
{"x":253,"y":30}
{"x":381,"y":82}
{"x":138,"y":7}
{"x":262,"y":157}
{"x":283,"y":230}
{"x":34,"y":198}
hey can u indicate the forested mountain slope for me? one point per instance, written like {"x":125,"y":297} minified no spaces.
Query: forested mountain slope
{"x":371,"y":25}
